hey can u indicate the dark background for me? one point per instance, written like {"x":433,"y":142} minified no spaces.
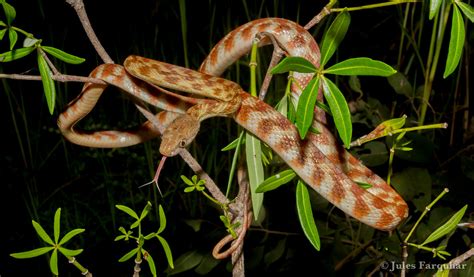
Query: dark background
{"x":41,"y":172}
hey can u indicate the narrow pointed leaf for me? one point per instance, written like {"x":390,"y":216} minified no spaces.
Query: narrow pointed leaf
{"x":447,"y":227}
{"x":339,"y":110}
{"x":162,"y":215}
{"x":10,"y":12}
{"x":305,"y":109}
{"x":233,"y":144}
{"x":53,"y":262}
{"x":297,"y":64}
{"x":333,"y":36}
{"x":57,"y":224}
{"x":70,"y":253}
{"x":127,"y":210}
{"x":185,"y":262}
{"x":16,"y":54}
{"x":32,"y":253}
{"x":276,"y":181}
{"x":167,"y":249}
{"x":2,"y":23}
{"x":135,"y":224}
{"x":456,"y":42}
{"x":434,"y":7}
{"x":466,"y":9}
{"x":253,"y":153}
{"x":2,"y":33}
{"x":145,"y":211}
{"x":70,"y":235}
{"x":63,"y":56}
{"x":13,"y":37}
{"x":362,"y":67}
{"x":129,"y":255}
{"x":151,"y":263}
{"x":42,"y":233}
{"x":48,"y":84}
{"x":305,"y":215}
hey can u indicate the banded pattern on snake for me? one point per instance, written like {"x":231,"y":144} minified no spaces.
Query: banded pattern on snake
{"x":318,"y":160}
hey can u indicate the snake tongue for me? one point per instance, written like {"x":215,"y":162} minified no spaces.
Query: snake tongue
{"x":157,"y":175}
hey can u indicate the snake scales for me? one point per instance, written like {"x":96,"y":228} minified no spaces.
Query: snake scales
{"x":318,"y":160}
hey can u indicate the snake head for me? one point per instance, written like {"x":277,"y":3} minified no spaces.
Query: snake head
{"x":178,"y":135}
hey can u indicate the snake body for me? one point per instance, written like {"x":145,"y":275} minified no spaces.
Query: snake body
{"x":318,"y":160}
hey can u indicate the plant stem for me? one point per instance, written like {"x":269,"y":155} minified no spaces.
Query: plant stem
{"x":439,"y":26}
{"x":74,"y":262}
{"x":424,"y":127}
{"x":427,"y":209}
{"x":374,"y":6}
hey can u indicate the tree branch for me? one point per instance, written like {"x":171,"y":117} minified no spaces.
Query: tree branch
{"x":78,"y":6}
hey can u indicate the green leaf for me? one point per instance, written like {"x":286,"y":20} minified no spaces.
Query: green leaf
{"x":207,"y":264}
{"x":53,"y":262}
{"x":63,"y":56}
{"x":305,"y":215}
{"x":70,"y":253}
{"x":447,"y":227}
{"x":297,"y":64}
{"x":145,"y":210}
{"x":400,"y":84}
{"x":233,"y":144}
{"x":333,"y":36}
{"x":2,"y":23}
{"x":2,"y":33}
{"x":187,"y":181}
{"x":305,"y":109}
{"x":48,"y":84}
{"x":149,"y":259}
{"x":276,"y":180}
{"x":362,"y":67}
{"x":339,"y":110}
{"x":57,"y":224}
{"x":16,"y":54}
{"x":129,"y":255}
{"x":32,"y":253}
{"x":135,"y":224}
{"x":456,"y":42}
{"x":185,"y":262}
{"x":434,"y":7}
{"x":10,"y":12}
{"x":42,"y":233}
{"x":189,"y":189}
{"x":167,"y":249}
{"x":150,"y":236}
{"x":13,"y":37}
{"x":70,"y":235}
{"x":253,"y":152}
{"x":162,"y":215}
{"x":364,"y":185}
{"x":29,"y":42}
{"x":127,"y":210}
{"x":276,"y":253}
{"x":466,"y":9}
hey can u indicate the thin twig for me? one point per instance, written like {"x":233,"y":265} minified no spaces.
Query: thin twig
{"x":57,"y":77}
{"x":48,"y":61}
{"x":325,"y":11}
{"x":461,"y":258}
{"x":78,"y":6}
{"x":277,"y":54}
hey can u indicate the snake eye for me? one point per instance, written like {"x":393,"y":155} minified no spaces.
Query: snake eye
{"x":182,"y":143}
